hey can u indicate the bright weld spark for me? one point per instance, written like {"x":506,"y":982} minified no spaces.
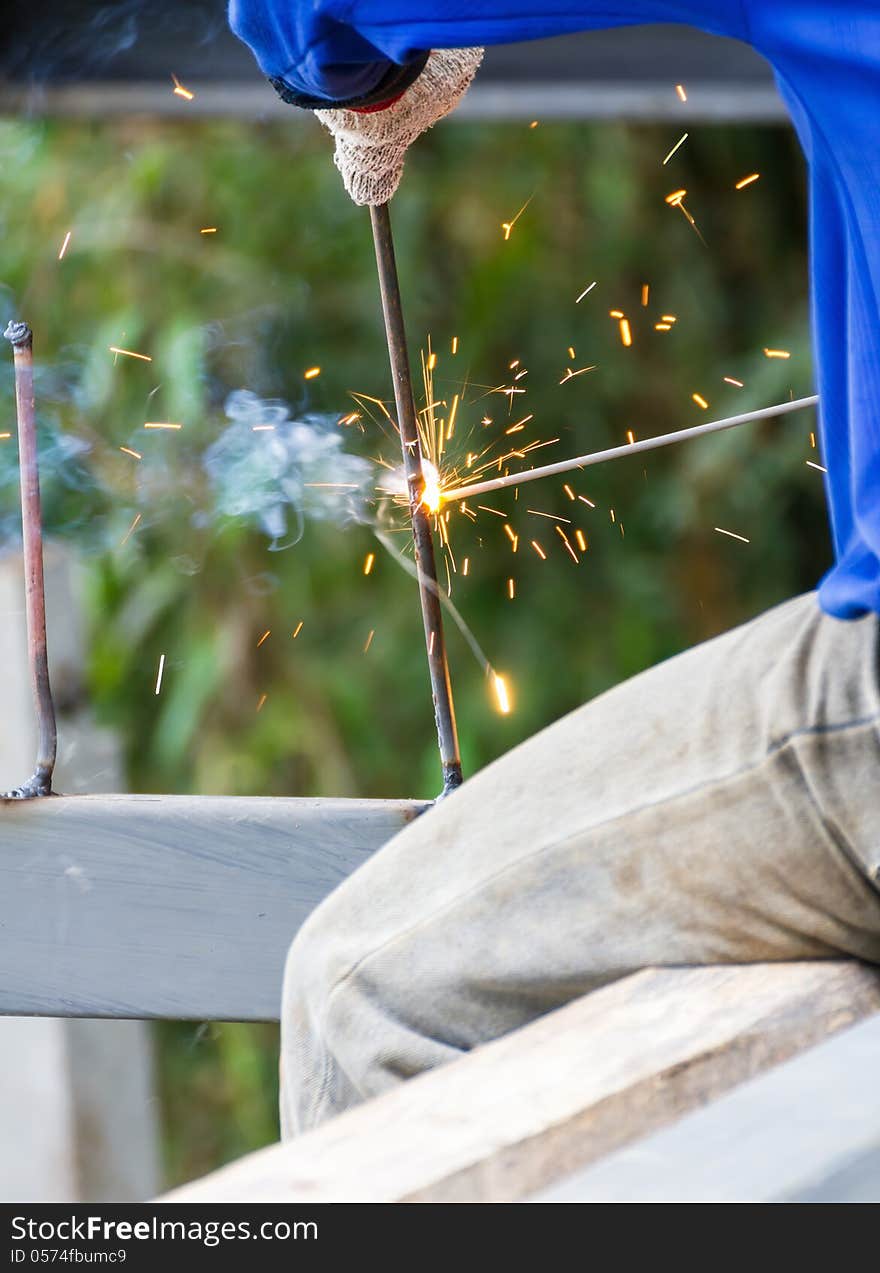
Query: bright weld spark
{"x":568,"y":548}
{"x":681,"y":139}
{"x":369,"y":563}
{"x":668,"y":318}
{"x":611,"y":511}
{"x":533,"y":124}
{"x":160,"y":672}
{"x":625,"y":333}
{"x":369,"y":640}
{"x":501,"y":695}
{"x":158,"y":424}
{"x":729,"y":380}
{"x":586,"y":292}
{"x":584,"y":500}
{"x":63,"y":248}
{"x":571,"y":352}
{"x":700,"y":401}
{"x":682,"y":95}
{"x":208,"y":229}
{"x":465,"y":566}
{"x":630,"y":436}
{"x":662,"y":327}
{"x":538,"y":549}
{"x":179,"y":89}
{"x":570,"y":375}
{"x":732,"y":534}
{"x":262,"y":702}
{"x":813,"y":465}
{"x":507,"y":226}
{"x":455,"y":344}
{"x":311,"y":373}
{"x":747,"y":181}
{"x":432,"y":361}
{"x":536,"y":512}
{"x":129,"y":353}
{"x":264,"y":637}
{"x":569,"y":492}
{"x":581,"y":540}
{"x":812,"y":439}
{"x":511,"y":589}
{"x":262,"y":428}
{"x":509,"y":532}
{"x":615,"y":313}
{"x":432,"y":495}
{"x":646,"y":291}
{"x":5,"y":436}
{"x":127,"y":449}
{"x":776,"y":353}
{"x":296,"y":631}
{"x":130,"y":530}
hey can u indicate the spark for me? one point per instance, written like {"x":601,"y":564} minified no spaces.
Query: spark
{"x":584,"y":500}
{"x":820,"y":467}
{"x":682,"y":95}
{"x":262,"y":428}
{"x":568,"y":548}
{"x":465,"y":566}
{"x":128,"y":451}
{"x":501,"y":695}
{"x":507,"y":226}
{"x":5,"y":436}
{"x":208,"y":229}
{"x":455,"y":344}
{"x":160,"y":672}
{"x":432,"y":361}
{"x":776,"y":353}
{"x":630,"y":436}
{"x":668,"y":318}
{"x":536,"y":512}
{"x":812,"y":439}
{"x":570,"y":375}
{"x":520,"y":424}
{"x":662,"y":327}
{"x":586,"y":292}
{"x":681,"y":139}
{"x":509,"y":532}
{"x":179,"y":89}
{"x":369,"y":563}
{"x":747,"y":181}
{"x":571,"y":352}
{"x":615,"y":313}
{"x":485,"y":509}
{"x":676,"y":200}
{"x":581,"y":540}
{"x":538,"y":549}
{"x":533,"y":124}
{"x":646,"y":291}
{"x":64,"y":245}
{"x":511,"y":589}
{"x":369,"y":640}
{"x":700,"y":401}
{"x":625,"y":333}
{"x":264,"y":637}
{"x":129,"y":353}
{"x":296,"y":631}
{"x":569,"y":492}
{"x":611,"y":511}
{"x":262,"y":701}
{"x":311,"y":373}
{"x":130,"y":530}
{"x":432,"y":495}
{"x":159,"y":424}
{"x":732,"y":534}
{"x":729,"y":380}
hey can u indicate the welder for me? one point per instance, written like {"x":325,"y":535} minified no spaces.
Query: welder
{"x":722,"y":807}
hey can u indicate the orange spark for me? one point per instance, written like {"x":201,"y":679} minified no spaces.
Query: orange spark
{"x":369,"y":640}
{"x":729,"y":380}
{"x":538,"y":549}
{"x":296,"y":630}
{"x":180,"y":91}
{"x":625,"y":333}
{"x":161,"y":424}
{"x":131,"y":528}
{"x":776,"y":353}
{"x":311,"y":373}
{"x":501,"y":694}
{"x":700,"y":400}
{"x":127,"y":449}
{"x":511,"y":589}
{"x":263,"y":637}
{"x":261,"y":702}
{"x":368,"y":564}
{"x":646,"y":290}
{"x":129,"y":353}
{"x":208,"y":229}
{"x":675,"y":148}
{"x":747,"y":181}
{"x":581,"y":540}
{"x":630,"y":436}
{"x":682,"y":95}
{"x":732,"y":534}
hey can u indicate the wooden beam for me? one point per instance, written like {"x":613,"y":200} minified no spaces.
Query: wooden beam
{"x":519,"y":1113}
{"x":807,"y":1131}
{"x":168,"y":906}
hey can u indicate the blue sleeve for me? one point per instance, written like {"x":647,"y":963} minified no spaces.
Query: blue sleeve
{"x":826,"y":55}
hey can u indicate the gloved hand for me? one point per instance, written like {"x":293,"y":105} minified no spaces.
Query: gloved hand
{"x":371,"y":144}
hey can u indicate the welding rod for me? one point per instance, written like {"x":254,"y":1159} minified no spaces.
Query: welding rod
{"x":618,"y":452}
{"x":429,"y":594}
{"x":40,"y":782}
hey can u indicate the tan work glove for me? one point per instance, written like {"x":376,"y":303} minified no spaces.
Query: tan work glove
{"x":371,"y":145}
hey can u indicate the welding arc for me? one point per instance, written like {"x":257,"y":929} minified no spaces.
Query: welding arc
{"x":432,"y":619}
{"x":40,"y":782}
{"x":631,"y":448}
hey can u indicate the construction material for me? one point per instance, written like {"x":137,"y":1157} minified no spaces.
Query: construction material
{"x":40,"y":782}
{"x":169,"y":906}
{"x":524,"y":1111}
{"x":456,"y":493}
{"x":429,"y":594}
{"x":807,"y":1131}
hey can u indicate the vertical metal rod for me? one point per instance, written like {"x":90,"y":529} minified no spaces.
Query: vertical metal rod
{"x":40,"y":783}
{"x":429,"y":592}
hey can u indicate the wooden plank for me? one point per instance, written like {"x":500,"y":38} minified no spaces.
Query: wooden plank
{"x":808,"y":1131}
{"x":168,"y":906}
{"x":519,"y":1113}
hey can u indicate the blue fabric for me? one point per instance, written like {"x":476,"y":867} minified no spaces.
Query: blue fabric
{"x":826,"y":55}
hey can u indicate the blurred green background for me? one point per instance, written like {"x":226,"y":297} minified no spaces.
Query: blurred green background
{"x":287,"y":282}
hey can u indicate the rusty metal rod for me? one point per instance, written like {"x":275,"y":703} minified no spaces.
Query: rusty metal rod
{"x":429,"y":594}
{"x":40,"y":782}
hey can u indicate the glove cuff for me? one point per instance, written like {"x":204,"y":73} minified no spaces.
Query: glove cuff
{"x":395,"y":82}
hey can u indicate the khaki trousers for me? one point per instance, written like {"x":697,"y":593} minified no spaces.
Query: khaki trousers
{"x":723,"y":807}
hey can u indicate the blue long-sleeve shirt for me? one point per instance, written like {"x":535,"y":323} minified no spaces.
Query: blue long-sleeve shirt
{"x":826,"y":55}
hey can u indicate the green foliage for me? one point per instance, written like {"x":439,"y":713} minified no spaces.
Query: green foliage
{"x":288,"y":282}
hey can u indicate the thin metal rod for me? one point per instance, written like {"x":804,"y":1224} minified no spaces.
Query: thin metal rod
{"x":429,"y":593}
{"x":40,"y":782}
{"x":631,"y":448}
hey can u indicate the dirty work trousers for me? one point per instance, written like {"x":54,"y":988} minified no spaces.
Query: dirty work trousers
{"x":722,"y":807}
